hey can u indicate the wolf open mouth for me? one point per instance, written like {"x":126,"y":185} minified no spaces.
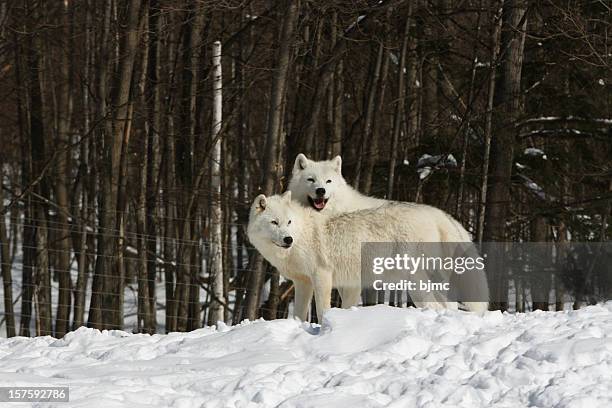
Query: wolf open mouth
{"x":284,"y":246}
{"x":318,"y":203}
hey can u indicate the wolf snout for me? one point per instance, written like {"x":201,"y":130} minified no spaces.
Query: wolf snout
{"x":320,"y":191}
{"x":288,"y":241}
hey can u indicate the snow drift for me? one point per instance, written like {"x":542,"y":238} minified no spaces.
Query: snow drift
{"x":366,"y":357}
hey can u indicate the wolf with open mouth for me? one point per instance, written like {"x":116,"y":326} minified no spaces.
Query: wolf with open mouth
{"x":320,"y":185}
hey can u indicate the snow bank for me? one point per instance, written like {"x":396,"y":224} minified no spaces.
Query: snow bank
{"x":366,"y":357}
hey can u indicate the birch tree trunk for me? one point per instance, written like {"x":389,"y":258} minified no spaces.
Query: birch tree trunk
{"x":42,"y":281}
{"x":216,"y":312}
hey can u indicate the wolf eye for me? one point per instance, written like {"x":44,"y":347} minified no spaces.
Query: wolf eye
{"x":311,"y":179}
{"x":328,"y":181}
{"x":274,"y":222}
{"x":289,"y":223}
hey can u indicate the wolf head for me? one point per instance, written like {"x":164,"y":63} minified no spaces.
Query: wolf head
{"x":313,"y":183}
{"x":271,"y":229}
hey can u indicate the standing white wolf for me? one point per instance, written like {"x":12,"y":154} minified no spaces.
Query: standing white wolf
{"x":321,"y":186}
{"x":319,"y":253}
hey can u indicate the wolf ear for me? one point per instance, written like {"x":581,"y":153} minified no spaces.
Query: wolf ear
{"x":286,"y":195}
{"x":337,"y":162}
{"x":260,"y":203}
{"x":300,"y":162}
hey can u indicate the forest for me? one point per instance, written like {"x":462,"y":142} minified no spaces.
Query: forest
{"x":136,"y":134}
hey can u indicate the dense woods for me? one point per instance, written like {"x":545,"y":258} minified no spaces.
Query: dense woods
{"x":135,"y":135}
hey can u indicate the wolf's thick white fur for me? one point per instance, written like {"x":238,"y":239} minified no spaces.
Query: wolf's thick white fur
{"x":325,"y":252}
{"x":339,"y":198}
{"x":309,"y":175}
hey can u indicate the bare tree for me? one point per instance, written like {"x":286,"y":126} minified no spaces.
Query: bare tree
{"x":7,"y":276}
{"x":218,"y":297}
{"x":271,"y":167}
{"x":400,"y":103}
{"x":507,"y":99}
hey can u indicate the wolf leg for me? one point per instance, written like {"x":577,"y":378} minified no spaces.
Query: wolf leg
{"x":350,"y":297}
{"x":476,"y":306}
{"x":303,"y":295}
{"x":322,"y":292}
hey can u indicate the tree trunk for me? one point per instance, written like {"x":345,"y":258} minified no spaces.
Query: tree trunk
{"x":41,"y":283}
{"x":6,"y":262}
{"x":507,"y":102}
{"x":540,"y":287}
{"x":377,"y":123}
{"x":43,"y":277}
{"x":152,"y":95}
{"x":400,"y":103}
{"x":465,"y":126}
{"x":144,"y":311}
{"x":488,"y":133}
{"x":369,"y":108}
{"x":216,"y":312}
{"x":184,"y":164}
{"x":103,"y":252}
{"x":271,"y":167}
{"x":337,"y":99}
{"x":62,"y":322}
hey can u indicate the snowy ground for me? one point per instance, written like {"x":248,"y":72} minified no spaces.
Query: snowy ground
{"x":366,"y":357}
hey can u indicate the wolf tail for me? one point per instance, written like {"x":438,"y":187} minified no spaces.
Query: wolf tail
{"x":473,"y":285}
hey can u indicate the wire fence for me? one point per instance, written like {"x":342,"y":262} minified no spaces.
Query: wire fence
{"x":39,"y":289}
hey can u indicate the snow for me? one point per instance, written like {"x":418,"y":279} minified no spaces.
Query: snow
{"x":354,"y":24}
{"x":450,"y":160}
{"x":393,"y":58}
{"x":605,"y":121}
{"x":536,"y":189}
{"x":363,"y":357}
{"x":428,"y":163}
{"x":520,"y":166}
{"x":535,"y":152}
{"x":438,"y":160}
{"x":424,"y":172}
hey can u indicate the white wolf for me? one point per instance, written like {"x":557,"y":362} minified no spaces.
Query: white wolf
{"x":320,"y":185}
{"x":319,"y":253}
